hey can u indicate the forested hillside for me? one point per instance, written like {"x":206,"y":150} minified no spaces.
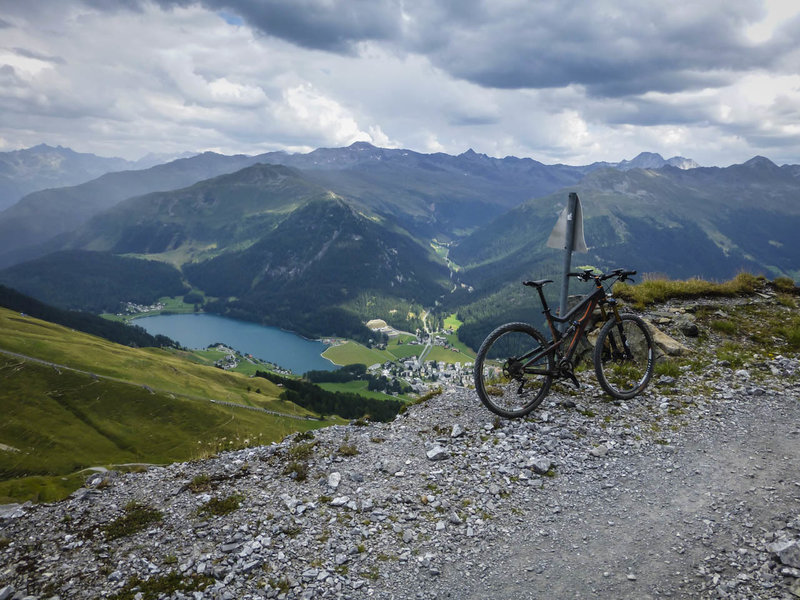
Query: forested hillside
{"x":322,"y":256}
{"x":94,"y":281}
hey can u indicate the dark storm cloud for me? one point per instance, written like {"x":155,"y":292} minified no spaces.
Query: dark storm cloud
{"x":316,"y":24}
{"x":612,"y":50}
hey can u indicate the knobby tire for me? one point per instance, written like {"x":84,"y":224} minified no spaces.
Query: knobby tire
{"x":504,"y":387}
{"x":624,"y":371}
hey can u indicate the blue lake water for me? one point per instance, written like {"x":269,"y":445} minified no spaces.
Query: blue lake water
{"x":283,"y":348}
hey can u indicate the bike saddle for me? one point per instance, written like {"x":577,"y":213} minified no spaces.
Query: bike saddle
{"x":538,"y":283}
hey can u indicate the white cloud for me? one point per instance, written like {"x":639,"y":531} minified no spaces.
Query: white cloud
{"x":776,"y":13}
{"x":308,"y":111}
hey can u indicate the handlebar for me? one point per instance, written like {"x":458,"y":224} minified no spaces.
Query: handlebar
{"x":588,"y":274}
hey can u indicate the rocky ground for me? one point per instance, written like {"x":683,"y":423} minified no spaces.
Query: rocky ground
{"x":691,"y":490}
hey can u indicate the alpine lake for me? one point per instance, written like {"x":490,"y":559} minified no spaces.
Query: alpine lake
{"x":280,"y":347}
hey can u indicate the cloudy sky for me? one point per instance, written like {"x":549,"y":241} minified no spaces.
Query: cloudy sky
{"x":554,"y":80}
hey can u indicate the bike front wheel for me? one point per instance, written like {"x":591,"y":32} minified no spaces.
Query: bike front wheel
{"x":624,"y":356}
{"x":513,"y":372}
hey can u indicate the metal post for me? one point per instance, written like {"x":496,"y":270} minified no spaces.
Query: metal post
{"x":568,"y":247}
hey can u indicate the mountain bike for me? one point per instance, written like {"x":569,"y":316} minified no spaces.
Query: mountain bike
{"x":516,"y":365}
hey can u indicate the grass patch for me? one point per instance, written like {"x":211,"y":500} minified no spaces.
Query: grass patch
{"x":661,"y":290}
{"x":725,"y":326}
{"x":137,"y":518}
{"x":298,"y":470}
{"x":347,"y":450}
{"x":783,"y":284}
{"x":163,"y":586}
{"x":670,"y":368}
{"x":791,"y":333}
{"x":731,"y":353}
{"x":372,"y":573}
{"x":301,"y":451}
{"x":201,"y":483}
{"x":217,"y":507}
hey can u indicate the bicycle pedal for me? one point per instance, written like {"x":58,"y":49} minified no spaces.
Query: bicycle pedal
{"x":575,"y":381}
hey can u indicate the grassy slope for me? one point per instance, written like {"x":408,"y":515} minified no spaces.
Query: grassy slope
{"x":159,"y":369}
{"x":57,"y":421}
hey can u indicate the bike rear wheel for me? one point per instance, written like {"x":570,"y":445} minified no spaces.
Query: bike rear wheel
{"x":624,"y":357}
{"x":507,"y":382}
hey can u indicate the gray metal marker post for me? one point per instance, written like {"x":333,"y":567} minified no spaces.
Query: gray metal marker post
{"x":568,"y":234}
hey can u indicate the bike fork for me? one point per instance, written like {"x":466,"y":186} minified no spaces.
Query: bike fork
{"x":625,"y":351}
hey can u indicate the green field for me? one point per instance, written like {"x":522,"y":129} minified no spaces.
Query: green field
{"x":110,"y":404}
{"x":356,"y":387}
{"x":452,"y":322}
{"x":461,"y":346}
{"x":351,"y":353}
{"x":403,"y":351}
{"x":440,"y":354}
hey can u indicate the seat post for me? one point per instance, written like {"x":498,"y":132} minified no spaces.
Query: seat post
{"x":542,"y":298}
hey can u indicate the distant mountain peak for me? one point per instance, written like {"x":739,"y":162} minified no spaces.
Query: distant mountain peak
{"x":760,"y":161}
{"x":653,"y":160}
{"x":363,"y":146}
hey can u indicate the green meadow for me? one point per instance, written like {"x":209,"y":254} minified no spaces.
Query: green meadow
{"x":106,"y":404}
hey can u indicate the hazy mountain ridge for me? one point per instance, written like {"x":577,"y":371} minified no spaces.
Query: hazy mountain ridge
{"x":43,"y":215}
{"x":707,"y":222}
{"x":653,"y":160}
{"x":429,"y":194}
{"x":43,"y":166}
{"x":204,"y":218}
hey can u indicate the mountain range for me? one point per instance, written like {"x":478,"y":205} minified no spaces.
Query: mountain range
{"x":294,"y":240}
{"x":430,"y":194}
{"x":41,"y":167}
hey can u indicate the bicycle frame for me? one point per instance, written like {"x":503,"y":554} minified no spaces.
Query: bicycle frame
{"x":585,"y":308}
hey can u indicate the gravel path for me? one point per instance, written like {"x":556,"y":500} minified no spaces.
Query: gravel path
{"x":643,"y":525}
